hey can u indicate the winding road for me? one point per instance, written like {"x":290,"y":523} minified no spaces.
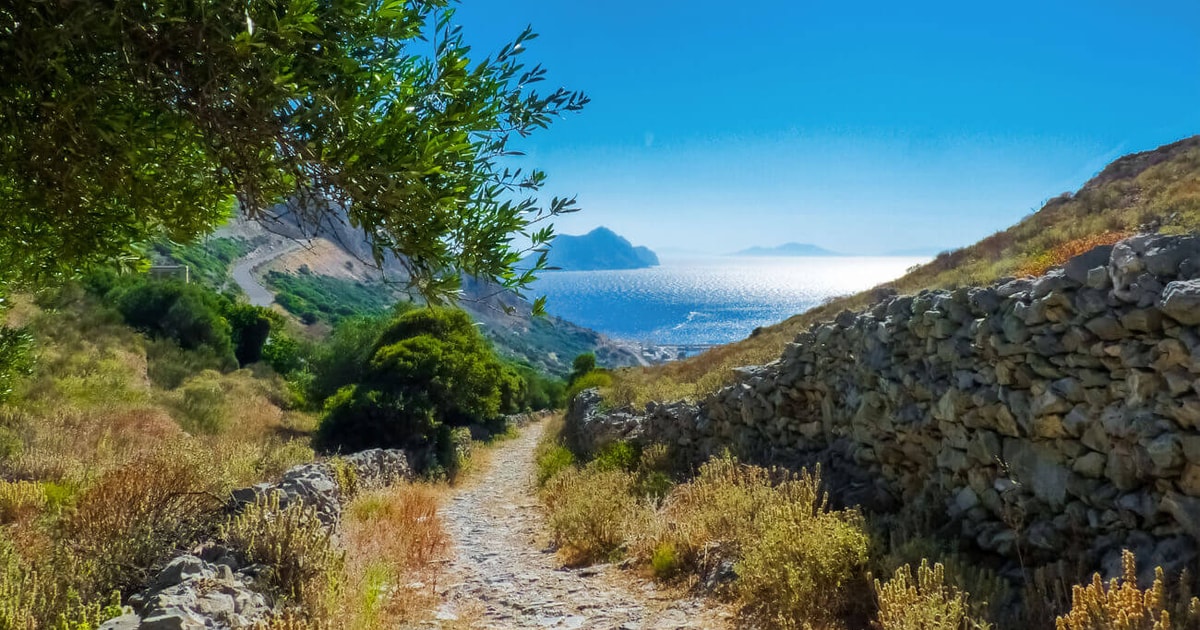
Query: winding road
{"x":243,"y":270}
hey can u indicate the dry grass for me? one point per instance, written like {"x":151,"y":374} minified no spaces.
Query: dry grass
{"x":593,"y":513}
{"x":1040,"y":263}
{"x":394,"y":539}
{"x":1154,"y":190}
{"x":796,"y":561}
{"x":105,"y":473}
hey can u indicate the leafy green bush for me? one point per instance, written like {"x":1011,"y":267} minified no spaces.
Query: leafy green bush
{"x":619,"y":455}
{"x":342,"y":359}
{"x":186,"y":313}
{"x":15,"y":357}
{"x":582,"y":364}
{"x":595,"y":378}
{"x":283,"y":353}
{"x":429,"y":368}
{"x":551,"y":460}
{"x":250,"y":326}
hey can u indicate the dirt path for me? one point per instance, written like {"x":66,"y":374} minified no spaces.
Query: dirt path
{"x":503,"y":576}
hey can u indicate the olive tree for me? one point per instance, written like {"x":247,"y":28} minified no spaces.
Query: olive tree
{"x":125,"y":121}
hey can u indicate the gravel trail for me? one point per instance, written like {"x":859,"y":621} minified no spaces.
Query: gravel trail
{"x":504,"y":576}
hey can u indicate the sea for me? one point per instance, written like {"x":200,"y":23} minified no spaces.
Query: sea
{"x":696,"y":301}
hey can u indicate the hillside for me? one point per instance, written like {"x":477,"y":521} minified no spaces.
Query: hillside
{"x":326,"y":276}
{"x":599,"y":249}
{"x":1156,"y":191}
{"x":787,"y":249}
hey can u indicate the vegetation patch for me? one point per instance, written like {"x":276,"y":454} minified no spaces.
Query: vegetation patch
{"x":315,"y":298}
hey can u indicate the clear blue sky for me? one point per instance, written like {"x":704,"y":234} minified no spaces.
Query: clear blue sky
{"x":859,"y":126}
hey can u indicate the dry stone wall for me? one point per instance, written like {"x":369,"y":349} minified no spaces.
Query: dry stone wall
{"x":1050,"y":416}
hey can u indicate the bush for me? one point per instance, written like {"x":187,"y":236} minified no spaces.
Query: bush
{"x":593,"y":512}
{"x":358,"y":418}
{"x":1123,"y":606}
{"x":582,"y":365}
{"x":551,"y":460}
{"x":303,"y":564}
{"x":342,"y":359}
{"x":186,"y":313}
{"x":664,"y":561}
{"x":250,"y":326}
{"x":16,"y":345}
{"x":924,"y":603}
{"x":801,"y":568}
{"x":618,"y":455}
{"x":202,"y":404}
{"x":429,"y":369}
{"x":596,"y":378}
{"x":713,"y":516}
{"x":134,"y":516}
{"x":30,"y":598}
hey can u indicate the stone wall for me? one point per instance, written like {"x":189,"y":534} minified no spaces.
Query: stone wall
{"x":210,"y":588}
{"x":1058,"y":414}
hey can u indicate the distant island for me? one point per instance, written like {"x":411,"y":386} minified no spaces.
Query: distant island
{"x":599,"y":249}
{"x":788,"y":249}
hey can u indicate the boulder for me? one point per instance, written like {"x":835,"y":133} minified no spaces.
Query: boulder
{"x":1181,"y":301}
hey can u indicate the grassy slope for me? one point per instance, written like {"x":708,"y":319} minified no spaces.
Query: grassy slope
{"x":1152,"y":191}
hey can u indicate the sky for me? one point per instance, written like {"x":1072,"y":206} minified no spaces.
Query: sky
{"x":861,"y":126}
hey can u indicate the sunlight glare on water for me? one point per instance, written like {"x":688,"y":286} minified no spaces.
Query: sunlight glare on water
{"x":708,"y":300}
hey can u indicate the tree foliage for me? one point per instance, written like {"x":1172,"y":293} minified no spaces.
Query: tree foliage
{"x":122,"y":121}
{"x":428,"y":371}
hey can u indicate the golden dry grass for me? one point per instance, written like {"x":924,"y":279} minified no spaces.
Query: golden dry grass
{"x":394,"y":539}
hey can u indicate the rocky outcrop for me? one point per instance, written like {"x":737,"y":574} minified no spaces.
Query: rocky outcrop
{"x":1058,"y":415}
{"x":209,"y":588}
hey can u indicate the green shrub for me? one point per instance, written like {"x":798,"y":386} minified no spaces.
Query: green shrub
{"x":16,"y":345}
{"x":342,"y":359}
{"x":202,"y":404}
{"x":429,"y":368}
{"x":596,"y":378}
{"x":250,"y":326}
{"x":552,"y":460}
{"x":803,"y":569}
{"x":618,"y":455}
{"x":358,"y":417}
{"x":664,"y":561}
{"x":583,"y":364}
{"x":283,"y":353}
{"x":186,"y":313}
